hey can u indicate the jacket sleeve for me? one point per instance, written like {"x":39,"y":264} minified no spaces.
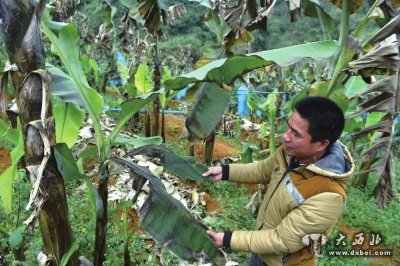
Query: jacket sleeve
{"x":317,"y":214}
{"x":255,"y":173}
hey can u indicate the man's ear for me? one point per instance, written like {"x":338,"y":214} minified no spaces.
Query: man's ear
{"x":323,"y":144}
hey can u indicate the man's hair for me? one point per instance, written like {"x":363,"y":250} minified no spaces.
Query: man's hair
{"x":324,"y":116}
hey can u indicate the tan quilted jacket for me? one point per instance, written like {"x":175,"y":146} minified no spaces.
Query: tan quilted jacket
{"x":306,"y":200}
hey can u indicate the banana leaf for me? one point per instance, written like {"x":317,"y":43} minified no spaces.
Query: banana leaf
{"x":8,"y":177}
{"x":382,"y":59}
{"x":152,"y":11}
{"x":207,"y":111}
{"x":383,"y":102}
{"x":170,"y":223}
{"x":66,"y":162}
{"x":383,"y":126}
{"x":63,"y":86}
{"x":313,"y":8}
{"x":225,"y":71}
{"x":390,"y":28}
{"x":69,"y":118}
{"x":8,"y":134}
{"x":182,"y":167}
{"x":65,"y":45}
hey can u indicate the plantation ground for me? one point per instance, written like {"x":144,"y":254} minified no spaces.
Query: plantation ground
{"x":219,"y":205}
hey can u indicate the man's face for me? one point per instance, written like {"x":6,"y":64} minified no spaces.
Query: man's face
{"x":297,"y":141}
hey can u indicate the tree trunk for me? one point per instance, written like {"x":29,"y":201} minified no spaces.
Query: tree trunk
{"x":22,"y":35}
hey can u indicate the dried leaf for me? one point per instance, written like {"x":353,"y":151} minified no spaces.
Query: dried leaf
{"x":385,"y":189}
{"x":260,"y":22}
{"x":392,"y":27}
{"x":383,"y":126}
{"x":382,"y":59}
{"x":381,"y":143}
{"x":355,"y":5}
{"x":151,"y":11}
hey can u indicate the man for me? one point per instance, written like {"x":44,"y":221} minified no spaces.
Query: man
{"x":306,"y":194}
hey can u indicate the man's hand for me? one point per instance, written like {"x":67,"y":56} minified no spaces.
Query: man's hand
{"x":217,"y":238}
{"x":215,"y":172}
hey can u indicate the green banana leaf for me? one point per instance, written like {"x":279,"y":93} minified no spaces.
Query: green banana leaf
{"x":128,"y":109}
{"x":312,"y":8}
{"x":228,"y":69}
{"x":67,"y":256}
{"x":143,"y":79}
{"x":321,"y":88}
{"x":170,"y":223}
{"x":7,"y":133}
{"x":11,"y":173}
{"x":94,"y":198}
{"x":182,"y":167}
{"x":246,"y":156}
{"x":69,"y":118}
{"x":63,"y":86}
{"x":208,"y":110}
{"x":354,"y":85}
{"x":66,"y":162}
{"x":65,"y":45}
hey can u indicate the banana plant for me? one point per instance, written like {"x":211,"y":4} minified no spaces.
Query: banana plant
{"x":32,"y":85}
{"x":151,"y":13}
{"x":383,"y":58}
{"x":21,"y":27}
{"x":65,"y":46}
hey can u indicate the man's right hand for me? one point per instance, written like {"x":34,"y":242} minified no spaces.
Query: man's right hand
{"x":214,"y":172}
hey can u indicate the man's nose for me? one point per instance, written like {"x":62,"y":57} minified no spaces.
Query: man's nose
{"x":286,"y":136}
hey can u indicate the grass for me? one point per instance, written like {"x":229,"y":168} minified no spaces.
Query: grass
{"x":363,"y":216}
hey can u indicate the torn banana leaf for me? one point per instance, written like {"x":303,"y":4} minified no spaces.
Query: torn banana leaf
{"x":179,"y":166}
{"x":208,"y":110}
{"x":384,"y":126}
{"x":383,"y":102}
{"x":170,"y":223}
{"x":392,"y":27}
{"x":383,"y":59}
